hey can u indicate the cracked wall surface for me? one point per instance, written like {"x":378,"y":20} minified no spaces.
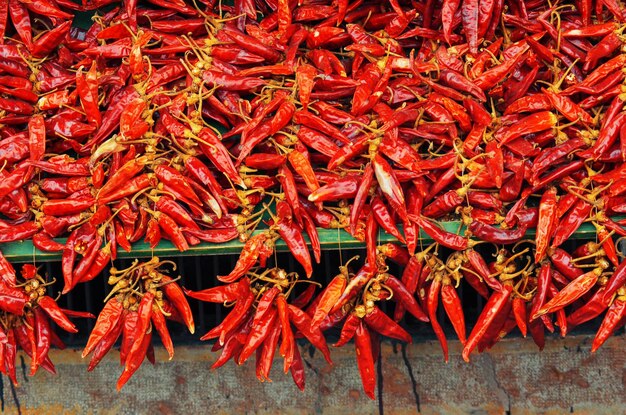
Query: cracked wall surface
{"x":513,"y":378}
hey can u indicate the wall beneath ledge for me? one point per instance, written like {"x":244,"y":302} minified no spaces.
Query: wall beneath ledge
{"x":512,"y":378}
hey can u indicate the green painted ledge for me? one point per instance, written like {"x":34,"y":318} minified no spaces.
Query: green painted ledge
{"x":330,"y":239}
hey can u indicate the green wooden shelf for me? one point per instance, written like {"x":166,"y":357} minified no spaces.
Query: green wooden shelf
{"x":330,"y":239}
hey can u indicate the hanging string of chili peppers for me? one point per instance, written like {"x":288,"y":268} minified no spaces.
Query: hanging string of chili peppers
{"x":196,"y":122}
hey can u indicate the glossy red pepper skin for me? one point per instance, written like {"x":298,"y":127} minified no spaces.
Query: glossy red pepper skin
{"x":139,"y":346}
{"x":613,"y":319}
{"x":547,"y":223}
{"x":492,"y":309}
{"x":519,"y":312}
{"x":450,"y":240}
{"x":543,"y":288}
{"x":500,"y":236}
{"x":574,"y":290}
{"x":379,"y":322}
{"x":365,"y":359}
{"x":109,"y":317}
{"x":291,"y":233}
{"x":52,"y":309}
{"x":534,"y":123}
{"x":452,"y":305}
{"x":233,"y":319}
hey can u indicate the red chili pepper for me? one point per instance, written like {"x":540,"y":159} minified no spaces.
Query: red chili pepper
{"x":44,"y":243}
{"x":567,"y":107}
{"x":213,"y":148}
{"x":342,"y":188}
{"x":492,"y":309}
{"x":543,"y":287}
{"x":519,"y":312}
{"x":260,"y":330}
{"x":303,"y":323}
{"x":365,"y":359}
{"x":532,"y":124}
{"x":570,"y":293}
{"x":450,"y":240}
{"x":302,"y":166}
{"x":247,"y":259}
{"x":109,"y":317}
{"x":546,"y":224}
{"x":378,"y":321}
{"x":602,"y":49}
{"x":19,"y":232}
{"x":291,"y":233}
{"x":21,"y":21}
{"x":431,"y":305}
{"x":390,"y":186}
{"x":448,"y":10}
{"x":141,"y":342}
{"x":452,"y":305}
{"x":612,"y":320}
{"x":52,"y":309}
{"x":49,"y":41}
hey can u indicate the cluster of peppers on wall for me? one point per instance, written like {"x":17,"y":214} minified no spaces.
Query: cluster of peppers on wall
{"x":506,"y":116}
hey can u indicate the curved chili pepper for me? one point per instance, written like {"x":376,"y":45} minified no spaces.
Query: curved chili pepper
{"x":260,"y":330}
{"x":405,"y":297}
{"x":562,"y":261}
{"x":42,"y":336}
{"x":266,"y":356}
{"x":450,"y":240}
{"x":175,"y":179}
{"x":567,"y":107}
{"x":378,"y":321}
{"x":452,"y":305}
{"x":109,"y":317}
{"x":495,"y":235}
{"x":501,"y":325}
{"x":543,"y":287}
{"x":303,"y":323}
{"x":213,"y":148}
{"x":365,"y":359}
{"x":291,"y":233}
{"x":106,"y":343}
{"x":88,"y":99}
{"x":519,"y":312}
{"x":348,"y":330}
{"x":444,"y":204}
{"x":561,"y":319}
{"x":390,"y":186}
{"x":612,"y":320}
{"x":297,"y":369}
{"x":54,"y":311}
{"x":141,"y":343}
{"x":89,"y":256}
{"x":44,"y":243}
{"x":288,"y":344}
{"x":410,"y":279}
{"x":573,"y":291}
{"x":235,"y":317}
{"x":546,"y":224}
{"x":431,"y":306}
{"x":492,"y":309}
{"x":19,"y":232}
{"x":534,"y":123}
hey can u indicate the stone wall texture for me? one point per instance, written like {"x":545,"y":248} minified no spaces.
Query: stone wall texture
{"x":513,"y":378}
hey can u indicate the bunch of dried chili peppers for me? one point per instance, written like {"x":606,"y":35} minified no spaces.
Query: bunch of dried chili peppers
{"x":195,"y":122}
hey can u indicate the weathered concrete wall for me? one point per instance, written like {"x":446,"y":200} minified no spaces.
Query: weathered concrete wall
{"x":513,"y":377}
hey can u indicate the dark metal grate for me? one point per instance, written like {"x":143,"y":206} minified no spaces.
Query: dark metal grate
{"x":199,"y":273}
